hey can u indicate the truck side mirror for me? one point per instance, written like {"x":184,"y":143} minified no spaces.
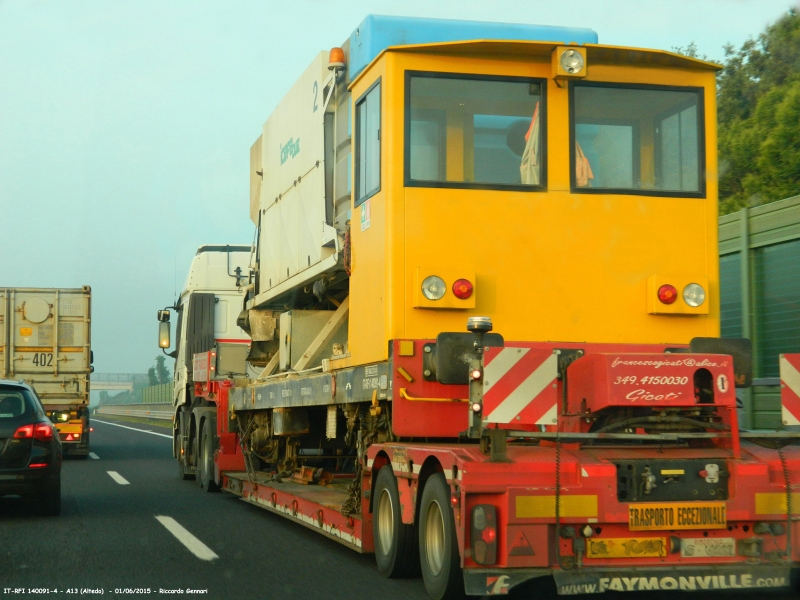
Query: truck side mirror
{"x":163,"y":334}
{"x":163,"y":316}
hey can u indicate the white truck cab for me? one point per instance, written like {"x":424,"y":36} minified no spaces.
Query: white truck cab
{"x":207,"y":311}
{"x":208,"y":307}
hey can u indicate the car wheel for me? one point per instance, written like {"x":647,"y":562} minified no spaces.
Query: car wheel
{"x":206,"y":462}
{"x":50,"y":499}
{"x":395,"y":542}
{"x":438,"y":545}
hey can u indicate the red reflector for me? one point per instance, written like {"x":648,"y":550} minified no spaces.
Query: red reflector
{"x":667,"y":294}
{"x":26,"y":431}
{"x":703,"y":473}
{"x":68,"y":438}
{"x":462,"y":289}
{"x":37,"y":465}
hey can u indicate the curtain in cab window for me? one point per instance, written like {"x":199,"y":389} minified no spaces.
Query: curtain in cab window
{"x":368,"y":147}
{"x":467,"y":130}
{"x":637,"y":138}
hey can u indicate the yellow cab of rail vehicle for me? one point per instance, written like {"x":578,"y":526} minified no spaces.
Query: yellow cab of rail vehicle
{"x":565,"y":183}
{"x":485,"y":316}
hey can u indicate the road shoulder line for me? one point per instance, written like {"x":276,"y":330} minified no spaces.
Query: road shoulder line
{"x":132,"y":428}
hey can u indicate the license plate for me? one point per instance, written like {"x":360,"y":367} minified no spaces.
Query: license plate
{"x":625,"y":547}
{"x":677,"y":515}
{"x":65,"y":428}
{"x":707,"y":547}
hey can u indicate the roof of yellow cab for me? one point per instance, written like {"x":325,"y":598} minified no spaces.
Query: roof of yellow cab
{"x":596,"y":53}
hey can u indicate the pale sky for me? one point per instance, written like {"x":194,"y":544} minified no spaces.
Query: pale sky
{"x":125,"y":127}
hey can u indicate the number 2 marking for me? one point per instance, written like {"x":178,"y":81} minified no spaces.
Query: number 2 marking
{"x":315,"y":89}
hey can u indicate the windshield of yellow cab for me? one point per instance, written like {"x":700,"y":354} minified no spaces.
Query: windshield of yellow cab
{"x":645,"y":138}
{"x":463,"y":131}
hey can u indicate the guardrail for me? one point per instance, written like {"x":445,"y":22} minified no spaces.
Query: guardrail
{"x":163,"y":412}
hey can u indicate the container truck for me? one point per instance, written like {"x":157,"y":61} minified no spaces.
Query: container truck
{"x":484,"y":321}
{"x":45,"y":340}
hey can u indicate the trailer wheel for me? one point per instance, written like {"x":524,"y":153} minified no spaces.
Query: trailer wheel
{"x":395,"y":542}
{"x":438,"y":543}
{"x":206,"y":463}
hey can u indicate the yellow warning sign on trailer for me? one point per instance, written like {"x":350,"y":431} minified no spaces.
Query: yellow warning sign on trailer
{"x":679,"y":515}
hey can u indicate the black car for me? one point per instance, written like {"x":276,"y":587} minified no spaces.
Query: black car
{"x":30,"y":451}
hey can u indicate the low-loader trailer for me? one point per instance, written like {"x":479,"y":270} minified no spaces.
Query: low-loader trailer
{"x":483,"y":311}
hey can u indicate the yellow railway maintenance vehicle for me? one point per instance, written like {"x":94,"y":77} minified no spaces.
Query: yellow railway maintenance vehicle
{"x":485,"y":321}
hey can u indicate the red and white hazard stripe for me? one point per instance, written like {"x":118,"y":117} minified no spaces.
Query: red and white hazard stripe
{"x":520,"y":386}
{"x":790,"y":389}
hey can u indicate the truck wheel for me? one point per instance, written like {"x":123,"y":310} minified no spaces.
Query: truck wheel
{"x":206,"y":463}
{"x":438,"y":543}
{"x":395,"y":542}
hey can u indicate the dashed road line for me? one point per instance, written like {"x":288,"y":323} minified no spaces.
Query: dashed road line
{"x":195,"y":546}
{"x":94,"y":456}
{"x":132,"y":428}
{"x":118,"y":478}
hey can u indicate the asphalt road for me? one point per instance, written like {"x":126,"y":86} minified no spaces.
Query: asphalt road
{"x":115,"y":534}
{"x":108,"y":537}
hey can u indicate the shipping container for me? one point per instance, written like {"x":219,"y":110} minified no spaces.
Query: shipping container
{"x":45,"y":340}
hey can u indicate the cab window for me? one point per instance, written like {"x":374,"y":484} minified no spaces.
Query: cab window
{"x":474,"y":131}
{"x":637,"y":139}
{"x":368,"y":144}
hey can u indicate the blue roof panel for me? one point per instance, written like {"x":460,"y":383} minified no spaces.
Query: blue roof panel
{"x":378,"y":32}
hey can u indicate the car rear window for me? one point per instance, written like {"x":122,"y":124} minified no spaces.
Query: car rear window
{"x":14,"y":403}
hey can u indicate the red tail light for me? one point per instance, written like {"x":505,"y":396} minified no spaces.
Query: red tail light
{"x":40,"y":431}
{"x":462,"y":289}
{"x":26,"y":431}
{"x":667,"y":294}
{"x":43,"y":432}
{"x":37,"y":465}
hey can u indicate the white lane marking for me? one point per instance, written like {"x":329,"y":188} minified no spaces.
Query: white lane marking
{"x":195,"y":546}
{"x":93,"y":455}
{"x":118,"y":478}
{"x":132,"y":428}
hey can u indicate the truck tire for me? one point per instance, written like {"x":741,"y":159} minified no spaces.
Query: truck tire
{"x":438,"y":544}
{"x":395,"y":542}
{"x":206,"y":462}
